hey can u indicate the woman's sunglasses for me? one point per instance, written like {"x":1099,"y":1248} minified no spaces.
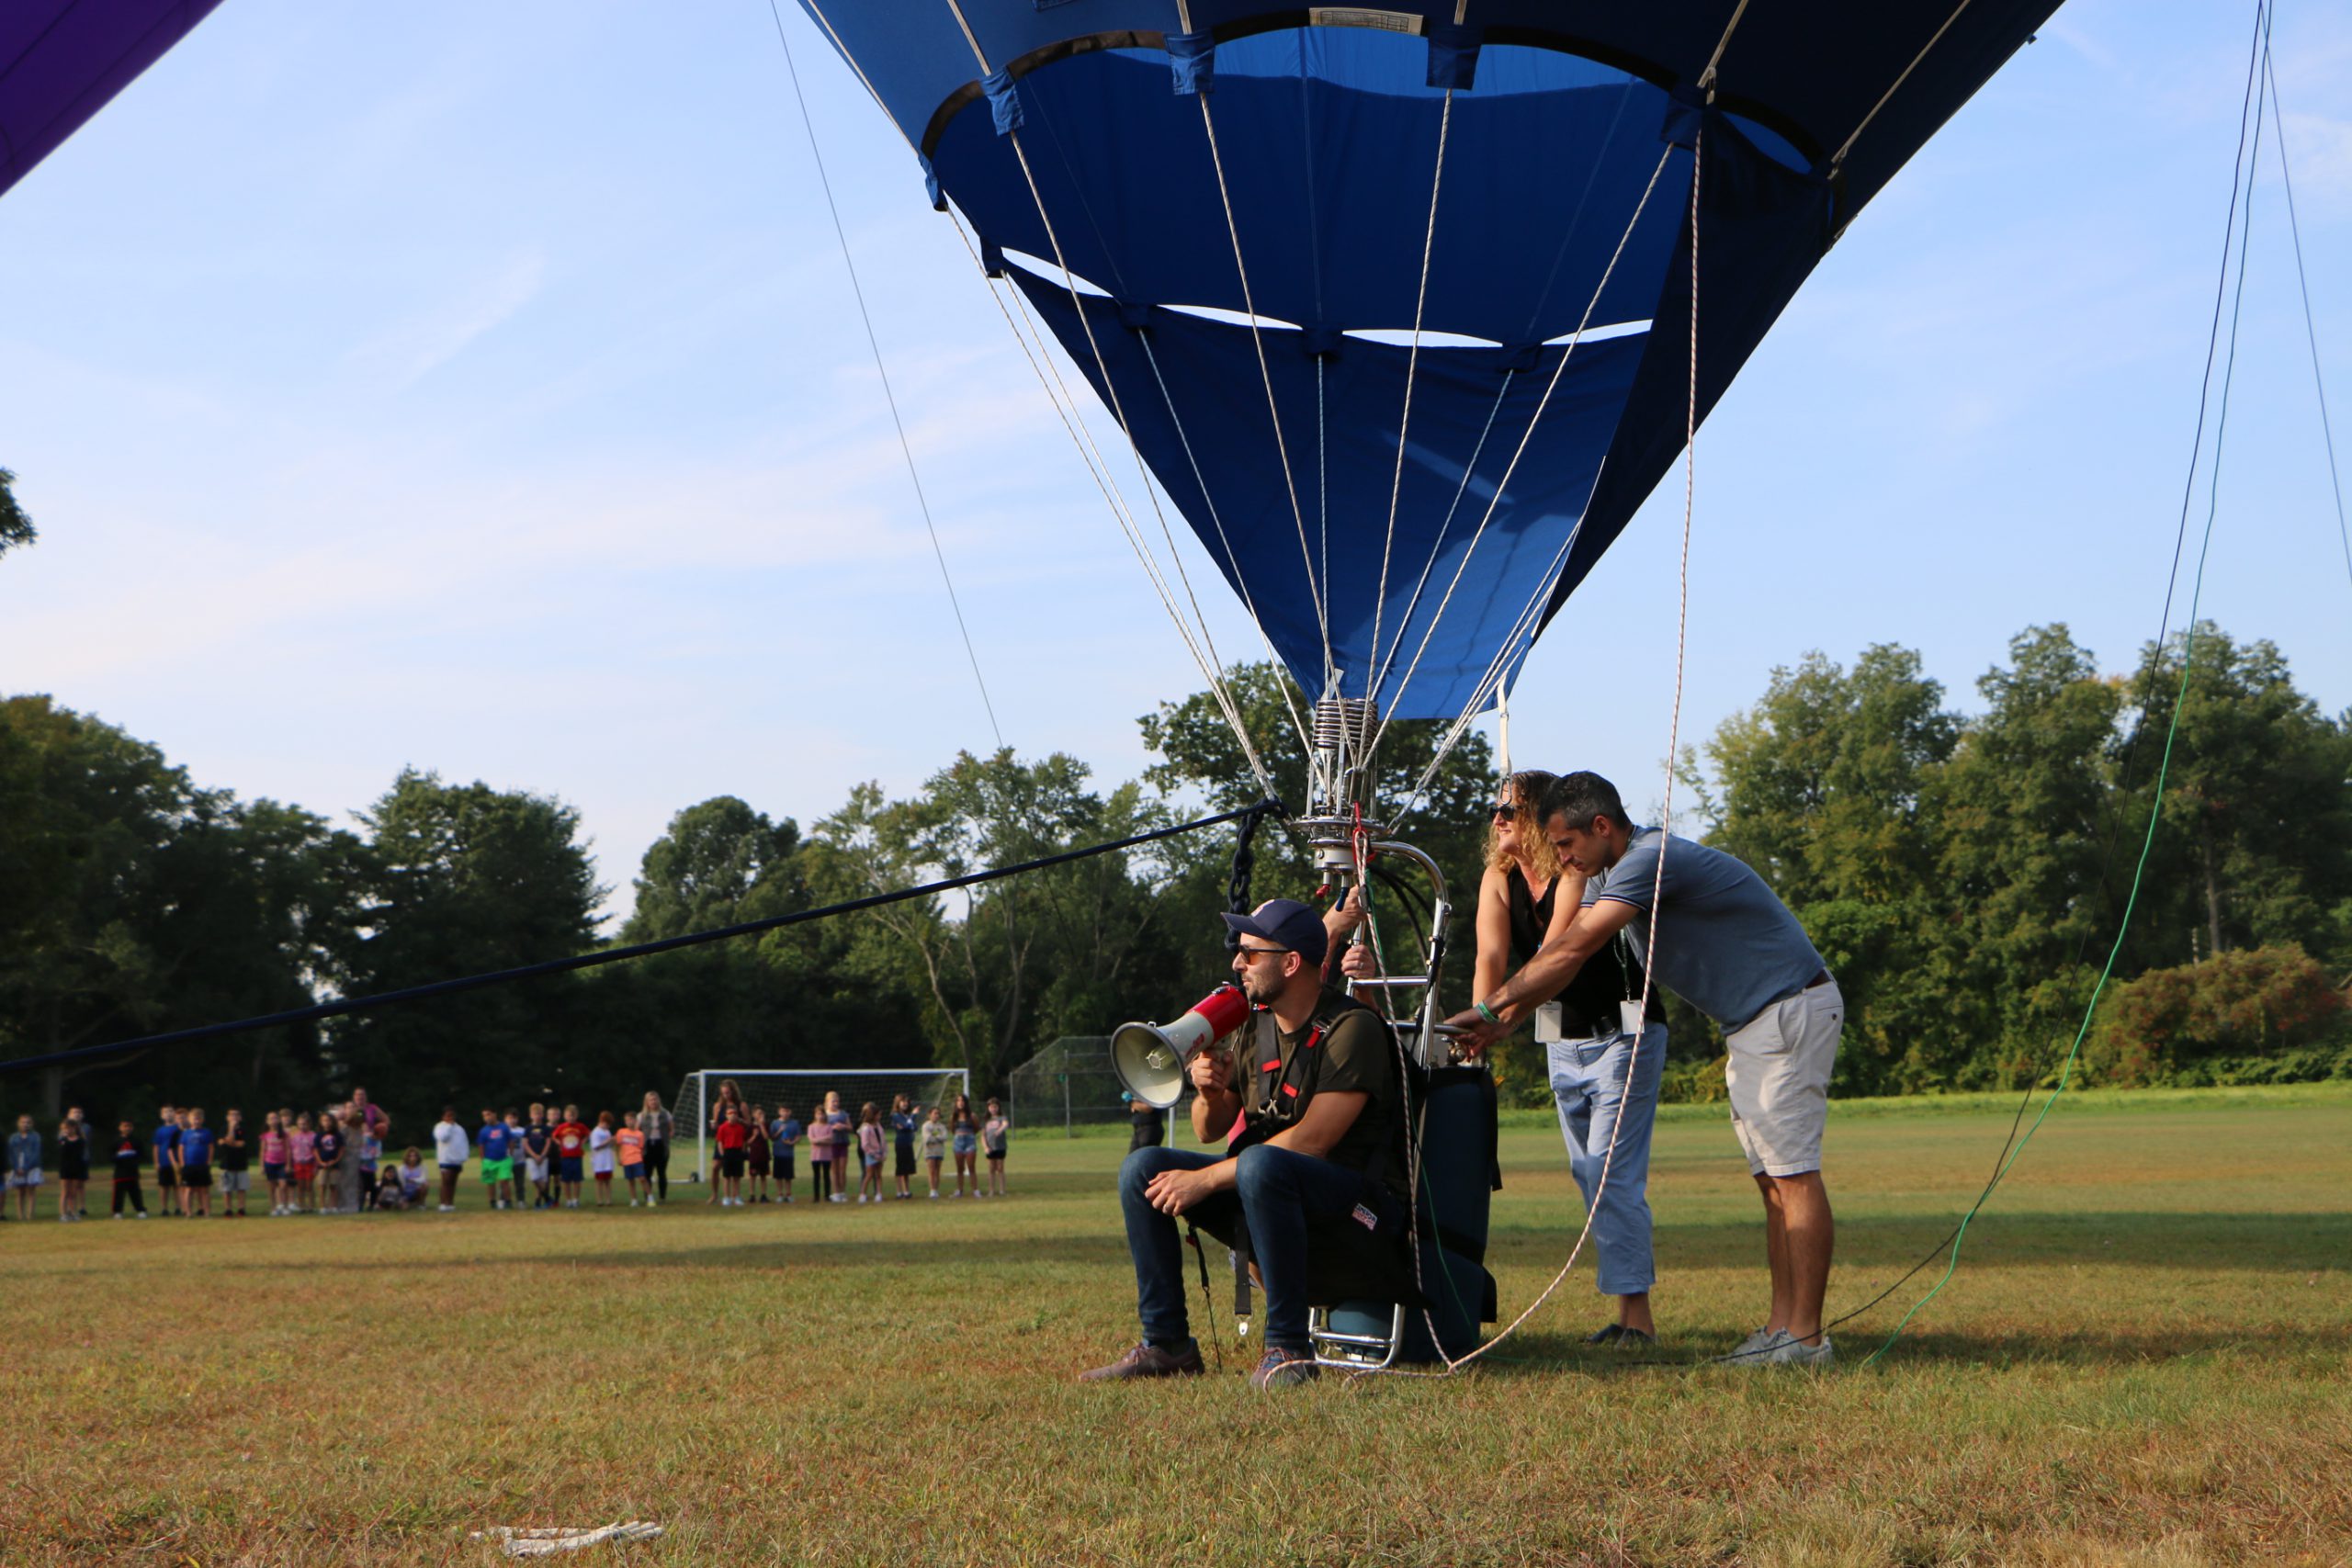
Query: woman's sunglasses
{"x":1505,"y":811}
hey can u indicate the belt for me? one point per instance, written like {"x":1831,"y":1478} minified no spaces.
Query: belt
{"x":1820,"y":978}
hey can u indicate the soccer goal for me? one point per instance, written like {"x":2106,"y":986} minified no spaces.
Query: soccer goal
{"x":804,"y":1090}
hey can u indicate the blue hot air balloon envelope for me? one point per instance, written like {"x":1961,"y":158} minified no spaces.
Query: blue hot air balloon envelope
{"x":1411,"y":553}
{"x":61,"y":61}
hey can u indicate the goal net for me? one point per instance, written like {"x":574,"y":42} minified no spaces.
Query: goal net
{"x":804,"y":1090}
{"x":1069,"y":1084}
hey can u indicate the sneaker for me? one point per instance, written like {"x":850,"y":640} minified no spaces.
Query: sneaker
{"x":1752,"y":1350}
{"x":448,"y":1208}
{"x":1791,"y":1352}
{"x":1148,"y":1361}
{"x":839,"y":1199}
{"x":143,"y":1214}
{"x":118,"y":1216}
{"x":1284,"y":1368}
{"x":1618,"y":1337}
{"x":632,"y":1203}
{"x":934,"y":1194}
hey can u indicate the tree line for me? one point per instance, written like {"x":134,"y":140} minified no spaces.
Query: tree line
{"x":1963,"y":875}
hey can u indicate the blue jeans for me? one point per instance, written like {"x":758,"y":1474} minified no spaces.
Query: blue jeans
{"x":1276,"y":1192}
{"x":1589,"y":1080}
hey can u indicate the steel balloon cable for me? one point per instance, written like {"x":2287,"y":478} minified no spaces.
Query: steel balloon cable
{"x":2164,"y":764}
{"x":2240,"y":168}
{"x":1405,"y":419}
{"x":341,"y":1006}
{"x":2311,"y":325}
{"x":1213,"y":665}
{"x":906,"y":448}
{"x":1265,"y":375}
{"x":1249,"y":601}
{"x":1503,"y":485}
{"x":1041,"y":361}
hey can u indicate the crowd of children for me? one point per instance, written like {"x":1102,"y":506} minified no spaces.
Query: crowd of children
{"x":759,"y":1150}
{"x":338,"y":1161}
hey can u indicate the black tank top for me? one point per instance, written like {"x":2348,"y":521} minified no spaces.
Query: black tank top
{"x":1589,"y":1005}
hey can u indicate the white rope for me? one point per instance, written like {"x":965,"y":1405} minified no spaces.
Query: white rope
{"x":1503,"y":485}
{"x":1405,"y":419}
{"x":1266,"y":375}
{"x":1437,"y":544}
{"x":1665,"y":819}
{"x":1306,"y":742}
{"x":1837,"y":159}
{"x":1097,"y":467}
{"x":1211,"y":666}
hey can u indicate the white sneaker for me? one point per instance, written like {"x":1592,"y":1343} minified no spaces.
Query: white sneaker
{"x":839,"y":1199}
{"x":448,"y":1208}
{"x":1793,"y":1352}
{"x":1756,"y":1350}
{"x":143,"y":1214}
{"x":934,"y":1192}
{"x":118,"y":1216}
{"x":632,"y":1203}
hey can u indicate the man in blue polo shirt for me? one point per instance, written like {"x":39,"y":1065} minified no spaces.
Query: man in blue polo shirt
{"x":1729,"y":947}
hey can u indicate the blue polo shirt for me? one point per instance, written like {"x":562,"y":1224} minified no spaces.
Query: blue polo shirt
{"x":196,"y":1147}
{"x":166,"y":1138}
{"x":1726,"y":943}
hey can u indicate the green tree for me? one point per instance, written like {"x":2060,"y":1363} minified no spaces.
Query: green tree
{"x":2256,"y":845}
{"x":138,"y":902}
{"x":16,"y":529}
{"x":1830,"y":789}
{"x":1007,"y":966}
{"x":458,"y":879}
{"x":2034,"y":857}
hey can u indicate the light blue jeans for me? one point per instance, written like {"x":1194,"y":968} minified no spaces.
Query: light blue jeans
{"x":1589,"y":1080}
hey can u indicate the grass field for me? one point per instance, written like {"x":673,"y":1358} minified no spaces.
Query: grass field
{"x":2143,"y":1359}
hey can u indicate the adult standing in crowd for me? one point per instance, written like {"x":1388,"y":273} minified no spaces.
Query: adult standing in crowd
{"x":1727,"y":945}
{"x":367,"y":1116}
{"x":658,"y":1125}
{"x":450,"y":1147}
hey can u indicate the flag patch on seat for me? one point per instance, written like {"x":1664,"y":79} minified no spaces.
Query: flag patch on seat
{"x":1366,"y":1218}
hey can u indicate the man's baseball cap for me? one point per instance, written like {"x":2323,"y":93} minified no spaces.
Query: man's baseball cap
{"x":1285,"y":922}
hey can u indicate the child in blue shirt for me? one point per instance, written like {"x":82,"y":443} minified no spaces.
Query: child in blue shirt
{"x":785,"y":1135}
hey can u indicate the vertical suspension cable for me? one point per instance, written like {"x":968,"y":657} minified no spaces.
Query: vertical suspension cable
{"x":1266,"y":375}
{"x":1405,"y":419}
{"x":2311,"y":325}
{"x":906,"y":448}
{"x":1211,"y":666}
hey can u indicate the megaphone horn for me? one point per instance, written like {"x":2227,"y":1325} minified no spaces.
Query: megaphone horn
{"x":1151,"y":1058}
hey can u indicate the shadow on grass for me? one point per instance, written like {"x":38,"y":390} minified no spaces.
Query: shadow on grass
{"x":2284,"y":1243}
{"x":1550,"y":1353}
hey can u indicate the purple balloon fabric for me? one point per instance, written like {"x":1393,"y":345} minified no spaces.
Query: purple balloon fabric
{"x":62,"y":60}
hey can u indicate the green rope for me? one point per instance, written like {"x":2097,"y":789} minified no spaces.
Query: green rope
{"x":2156,"y":810}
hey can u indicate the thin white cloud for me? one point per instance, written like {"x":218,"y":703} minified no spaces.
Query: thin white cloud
{"x":409,"y":350}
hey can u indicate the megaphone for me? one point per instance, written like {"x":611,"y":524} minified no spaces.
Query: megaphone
{"x":1151,"y":1058}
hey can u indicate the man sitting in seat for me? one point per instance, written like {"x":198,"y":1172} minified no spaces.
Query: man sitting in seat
{"x":1322,"y":1139}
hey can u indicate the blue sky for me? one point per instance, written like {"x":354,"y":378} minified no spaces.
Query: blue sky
{"x":479,"y":387}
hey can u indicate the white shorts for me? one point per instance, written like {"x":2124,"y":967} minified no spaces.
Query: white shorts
{"x":1778,"y":1075}
{"x":24,"y":1179}
{"x":536,"y":1169}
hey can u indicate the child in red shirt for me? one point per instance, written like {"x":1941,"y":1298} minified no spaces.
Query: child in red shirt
{"x":732,"y":1136}
{"x":571,"y":1149}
